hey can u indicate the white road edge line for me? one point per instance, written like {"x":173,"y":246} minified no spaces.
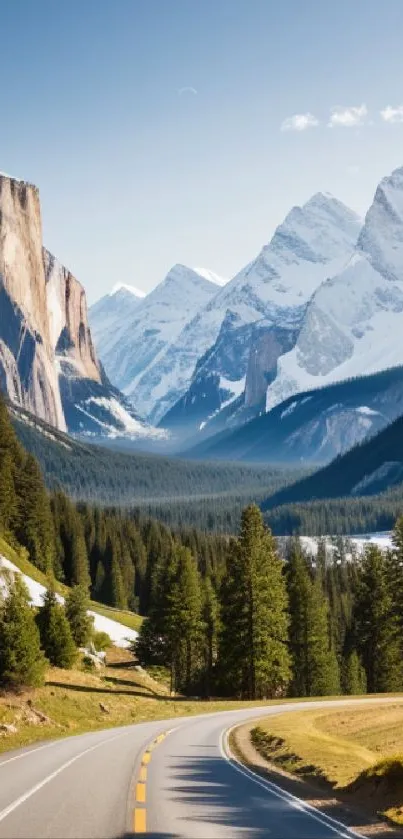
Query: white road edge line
{"x":18,"y":801}
{"x":288,"y":797}
{"x":30,"y":752}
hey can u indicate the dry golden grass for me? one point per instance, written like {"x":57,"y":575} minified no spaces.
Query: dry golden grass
{"x":357,"y":749}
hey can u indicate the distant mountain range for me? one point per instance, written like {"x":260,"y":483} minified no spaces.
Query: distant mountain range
{"x":297,"y":358}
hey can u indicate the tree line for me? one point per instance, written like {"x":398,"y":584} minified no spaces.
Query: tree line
{"x":304,"y":626}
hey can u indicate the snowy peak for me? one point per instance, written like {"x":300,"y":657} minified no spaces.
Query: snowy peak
{"x":316,"y":231}
{"x":181,"y":279}
{"x":210,"y":275}
{"x":351,"y":326}
{"x":128,"y":289}
{"x":381,"y":239}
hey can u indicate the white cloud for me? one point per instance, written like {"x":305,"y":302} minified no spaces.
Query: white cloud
{"x":184,"y":90}
{"x":353,"y":170}
{"x":299,"y":122}
{"x":390,"y":114}
{"x":348,"y":117}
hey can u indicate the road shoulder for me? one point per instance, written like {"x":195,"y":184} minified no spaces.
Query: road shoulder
{"x":366,"y":824}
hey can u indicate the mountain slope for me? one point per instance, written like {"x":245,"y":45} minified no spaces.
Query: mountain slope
{"x":135,"y":359}
{"x":313,"y":426}
{"x":269,"y":296}
{"x":368,"y":469}
{"x":108,"y":315}
{"x":348,"y":326}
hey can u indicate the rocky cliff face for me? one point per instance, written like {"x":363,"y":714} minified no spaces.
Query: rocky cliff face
{"x":48,"y":363}
{"x":27,"y":362}
{"x":68,"y":320}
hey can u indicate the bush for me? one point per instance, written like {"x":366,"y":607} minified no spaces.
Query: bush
{"x":101,"y":641}
{"x":22,"y":663}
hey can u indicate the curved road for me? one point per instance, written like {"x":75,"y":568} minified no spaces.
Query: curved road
{"x":163,"y":779}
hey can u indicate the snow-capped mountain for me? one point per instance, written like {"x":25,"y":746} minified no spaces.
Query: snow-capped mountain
{"x":137,"y":357}
{"x":269,"y":296}
{"x":108,"y":315}
{"x":353,"y":324}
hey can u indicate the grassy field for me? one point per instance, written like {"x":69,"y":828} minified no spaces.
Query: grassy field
{"x":74,"y":701}
{"x":19,"y":558}
{"x":356,"y":751}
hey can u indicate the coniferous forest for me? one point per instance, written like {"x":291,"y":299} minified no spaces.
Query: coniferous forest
{"x":227,"y":616}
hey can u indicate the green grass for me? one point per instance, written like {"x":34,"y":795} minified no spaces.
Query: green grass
{"x":19,"y":558}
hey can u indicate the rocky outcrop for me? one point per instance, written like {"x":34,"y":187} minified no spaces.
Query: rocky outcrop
{"x":68,"y":320}
{"x":27,"y":361}
{"x":265,"y":351}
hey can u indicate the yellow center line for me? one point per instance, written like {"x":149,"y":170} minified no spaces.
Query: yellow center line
{"x":141,"y":792}
{"x":140,"y":813}
{"x":140,"y":820}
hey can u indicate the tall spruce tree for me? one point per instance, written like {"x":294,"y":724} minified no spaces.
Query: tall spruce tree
{"x":35,"y":529}
{"x":184,"y":621}
{"x":376,"y":625}
{"x":315,"y":664}
{"x":254,"y":613}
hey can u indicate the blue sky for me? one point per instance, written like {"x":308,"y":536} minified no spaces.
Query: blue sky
{"x":136,"y":173}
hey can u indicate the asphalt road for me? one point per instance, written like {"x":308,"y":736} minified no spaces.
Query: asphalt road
{"x":164,"y":779}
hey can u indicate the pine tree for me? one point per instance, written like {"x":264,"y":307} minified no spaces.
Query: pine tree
{"x":81,"y":623}
{"x":8,"y":495}
{"x":315,"y":663}
{"x":70,"y":533}
{"x":210,"y":617}
{"x":254,"y":613}
{"x":376,"y":626}
{"x":323,"y":677}
{"x":184,"y":620}
{"x":353,"y":676}
{"x":22,"y":663}
{"x":35,"y":529}
{"x":55,"y":633}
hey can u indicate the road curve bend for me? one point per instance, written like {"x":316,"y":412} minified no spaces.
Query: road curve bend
{"x":163,"y":780}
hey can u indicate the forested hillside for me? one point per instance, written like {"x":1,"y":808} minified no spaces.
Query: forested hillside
{"x":88,"y":472}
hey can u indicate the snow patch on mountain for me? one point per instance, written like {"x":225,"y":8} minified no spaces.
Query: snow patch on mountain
{"x":272,"y":291}
{"x":347,"y":328}
{"x":135,"y":351}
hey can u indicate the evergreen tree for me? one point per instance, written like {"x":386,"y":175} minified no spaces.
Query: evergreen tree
{"x":8,"y":495}
{"x":55,"y":633}
{"x":210,"y":617}
{"x":22,"y":663}
{"x":376,"y":626}
{"x":323,"y":676}
{"x":35,"y":529}
{"x":354,"y":679}
{"x":315,"y":664}
{"x":184,"y":620}
{"x":254,"y":613}
{"x":81,"y":623}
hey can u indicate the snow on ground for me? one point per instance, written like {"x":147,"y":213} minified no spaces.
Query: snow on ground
{"x":120,"y":635}
{"x":360,"y":542}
